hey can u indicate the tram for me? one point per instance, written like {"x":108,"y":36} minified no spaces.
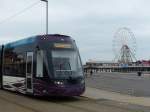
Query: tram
{"x":42,"y":65}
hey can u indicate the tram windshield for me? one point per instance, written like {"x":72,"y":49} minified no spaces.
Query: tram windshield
{"x":66,"y":64}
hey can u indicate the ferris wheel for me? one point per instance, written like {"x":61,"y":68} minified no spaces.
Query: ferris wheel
{"x":124,"y":45}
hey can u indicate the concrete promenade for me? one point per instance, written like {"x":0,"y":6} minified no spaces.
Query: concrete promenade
{"x":124,"y":83}
{"x":96,"y":94}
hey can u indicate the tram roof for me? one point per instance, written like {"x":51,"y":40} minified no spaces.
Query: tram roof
{"x":30,"y":40}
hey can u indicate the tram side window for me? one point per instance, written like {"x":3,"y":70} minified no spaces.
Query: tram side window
{"x":14,"y":65}
{"x":20,"y":65}
{"x":29,"y":64}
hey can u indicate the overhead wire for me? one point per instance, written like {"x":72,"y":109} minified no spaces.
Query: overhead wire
{"x":19,"y":13}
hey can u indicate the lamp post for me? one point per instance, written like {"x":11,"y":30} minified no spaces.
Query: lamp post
{"x":46,"y":1}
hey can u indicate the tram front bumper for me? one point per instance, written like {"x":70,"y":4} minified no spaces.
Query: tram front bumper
{"x":70,"y":90}
{"x":74,"y":90}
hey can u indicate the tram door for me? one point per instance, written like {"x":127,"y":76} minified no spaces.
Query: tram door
{"x":29,"y":72}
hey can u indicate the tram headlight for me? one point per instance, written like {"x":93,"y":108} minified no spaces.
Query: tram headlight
{"x":82,"y":81}
{"x":58,"y":83}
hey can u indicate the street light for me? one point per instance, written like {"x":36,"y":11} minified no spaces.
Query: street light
{"x":46,"y":1}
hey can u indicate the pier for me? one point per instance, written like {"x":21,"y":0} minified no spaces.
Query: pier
{"x":114,"y":67}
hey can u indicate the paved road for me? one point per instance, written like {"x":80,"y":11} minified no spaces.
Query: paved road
{"x":12,"y":102}
{"x":122,"y":83}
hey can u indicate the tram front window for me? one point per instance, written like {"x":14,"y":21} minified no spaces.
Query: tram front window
{"x":66,"y":64}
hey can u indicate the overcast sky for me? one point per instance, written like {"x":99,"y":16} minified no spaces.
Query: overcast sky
{"x":92,"y":23}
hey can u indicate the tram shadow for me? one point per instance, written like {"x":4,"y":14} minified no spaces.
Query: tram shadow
{"x":56,"y":98}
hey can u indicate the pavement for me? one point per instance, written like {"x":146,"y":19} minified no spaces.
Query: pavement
{"x":96,"y":94}
{"x":124,"y":83}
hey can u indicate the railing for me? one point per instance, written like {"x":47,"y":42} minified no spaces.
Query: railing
{"x":93,"y":69}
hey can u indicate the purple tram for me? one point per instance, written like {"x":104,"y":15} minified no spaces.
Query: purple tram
{"x":43,"y":65}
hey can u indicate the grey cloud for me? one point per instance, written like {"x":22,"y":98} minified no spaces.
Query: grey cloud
{"x":92,"y":23}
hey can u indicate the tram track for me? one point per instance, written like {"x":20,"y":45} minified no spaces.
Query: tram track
{"x":20,"y":105}
{"x":87,"y":106}
{"x":52,"y":104}
{"x":33,"y":109}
